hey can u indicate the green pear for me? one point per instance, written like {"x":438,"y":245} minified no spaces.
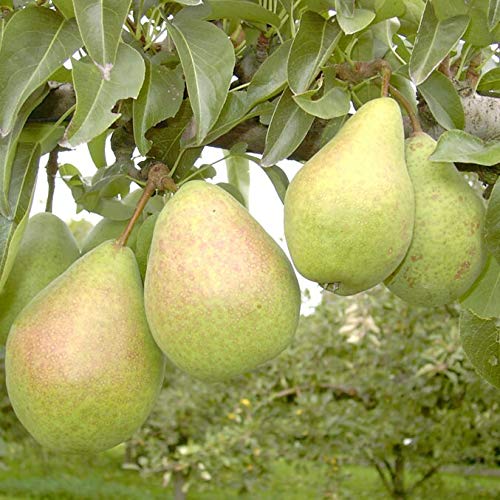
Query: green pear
{"x":47,"y":249}
{"x":82,"y":369}
{"x":447,"y":252}
{"x":108,"y":229}
{"x":220,"y":295}
{"x":349,"y":211}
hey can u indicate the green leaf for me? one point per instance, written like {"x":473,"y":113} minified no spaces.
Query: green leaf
{"x":21,"y":187}
{"x":100,"y":23}
{"x":271,"y":76}
{"x":241,"y":9}
{"x":493,"y":13}
{"x":46,"y":135}
{"x":47,"y":41}
{"x":288,"y":128}
{"x":207,"y":58}
{"x":434,"y":41}
{"x":492,"y":224}
{"x":345,"y":8}
{"x":160,"y":98}
{"x":406,"y":88}
{"x":95,"y":97}
{"x":97,"y":149}
{"x":359,"y":21}
{"x":459,"y":146}
{"x":312,"y":46}
{"x":279,"y":179}
{"x":443,"y":101}
{"x":8,"y":146}
{"x":490,"y":81}
{"x":384,"y":9}
{"x":477,"y":33}
{"x":65,"y":7}
{"x":483,"y":298}
{"x":481,"y":342}
{"x":335,"y":102}
{"x":233,"y":191}
{"x":238,"y":174}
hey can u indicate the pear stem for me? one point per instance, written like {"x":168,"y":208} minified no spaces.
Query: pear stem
{"x":158,"y":179}
{"x":415,"y":122}
{"x":51,"y":168}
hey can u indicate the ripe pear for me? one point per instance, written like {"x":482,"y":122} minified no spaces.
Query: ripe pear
{"x":349,"y":211}
{"x":220,"y":295}
{"x":82,"y":369}
{"x":447,"y":252}
{"x":47,"y":249}
{"x":107,"y":229}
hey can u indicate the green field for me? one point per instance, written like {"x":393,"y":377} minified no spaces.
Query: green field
{"x":29,"y":472}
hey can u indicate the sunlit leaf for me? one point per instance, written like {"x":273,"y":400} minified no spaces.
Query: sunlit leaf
{"x":481,"y":342}
{"x":359,"y":21}
{"x":434,"y":40}
{"x":238,"y":174}
{"x":335,"y":102}
{"x":47,"y":41}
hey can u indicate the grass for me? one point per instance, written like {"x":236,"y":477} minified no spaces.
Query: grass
{"x":30,"y":473}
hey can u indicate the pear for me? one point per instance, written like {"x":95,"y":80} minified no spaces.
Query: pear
{"x":447,"y":252}
{"x":107,"y":229}
{"x":349,"y":211}
{"x":82,"y":369}
{"x":47,"y":249}
{"x":220,"y":295}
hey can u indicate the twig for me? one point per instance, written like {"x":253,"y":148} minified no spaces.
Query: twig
{"x":51,"y":169}
{"x":415,"y":122}
{"x":158,"y":179}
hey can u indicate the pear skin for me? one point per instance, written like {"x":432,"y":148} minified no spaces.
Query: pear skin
{"x":221,"y":297}
{"x":447,"y":252}
{"x":349,"y":211}
{"x":82,"y":369}
{"x":47,"y":249}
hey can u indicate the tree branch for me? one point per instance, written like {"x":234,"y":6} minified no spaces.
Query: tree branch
{"x":425,"y":477}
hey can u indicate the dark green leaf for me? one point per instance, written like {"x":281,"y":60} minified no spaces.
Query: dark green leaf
{"x":434,"y":41}
{"x":493,"y":13}
{"x":481,"y":343}
{"x":207,"y":57}
{"x":8,"y":146}
{"x":20,"y":194}
{"x":95,"y":97}
{"x":459,"y":146}
{"x":100,"y":23}
{"x":312,"y":46}
{"x":241,"y":9}
{"x":233,"y":191}
{"x":492,"y":225}
{"x":65,"y":7}
{"x":160,"y":98}
{"x":443,"y":101}
{"x":288,"y":128}
{"x":359,"y":21}
{"x":47,"y":41}
{"x":279,"y":179}
{"x":271,"y":77}
{"x":490,"y":81}
{"x":335,"y":102}
{"x":238,"y":174}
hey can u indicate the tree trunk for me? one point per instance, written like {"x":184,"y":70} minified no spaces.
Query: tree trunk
{"x":179,"y":482}
{"x":399,"y":490}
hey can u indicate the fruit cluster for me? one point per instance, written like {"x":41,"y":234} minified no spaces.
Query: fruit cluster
{"x":85,"y":356}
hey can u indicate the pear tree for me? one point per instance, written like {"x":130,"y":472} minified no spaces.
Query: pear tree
{"x":335,"y":84}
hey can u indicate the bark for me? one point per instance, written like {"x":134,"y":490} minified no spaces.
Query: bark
{"x":399,"y":490}
{"x":482,"y":120}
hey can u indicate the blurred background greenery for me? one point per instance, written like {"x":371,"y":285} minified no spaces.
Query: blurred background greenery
{"x":375,"y":399}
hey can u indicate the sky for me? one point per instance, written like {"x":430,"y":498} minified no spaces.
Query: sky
{"x":264,"y":204}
